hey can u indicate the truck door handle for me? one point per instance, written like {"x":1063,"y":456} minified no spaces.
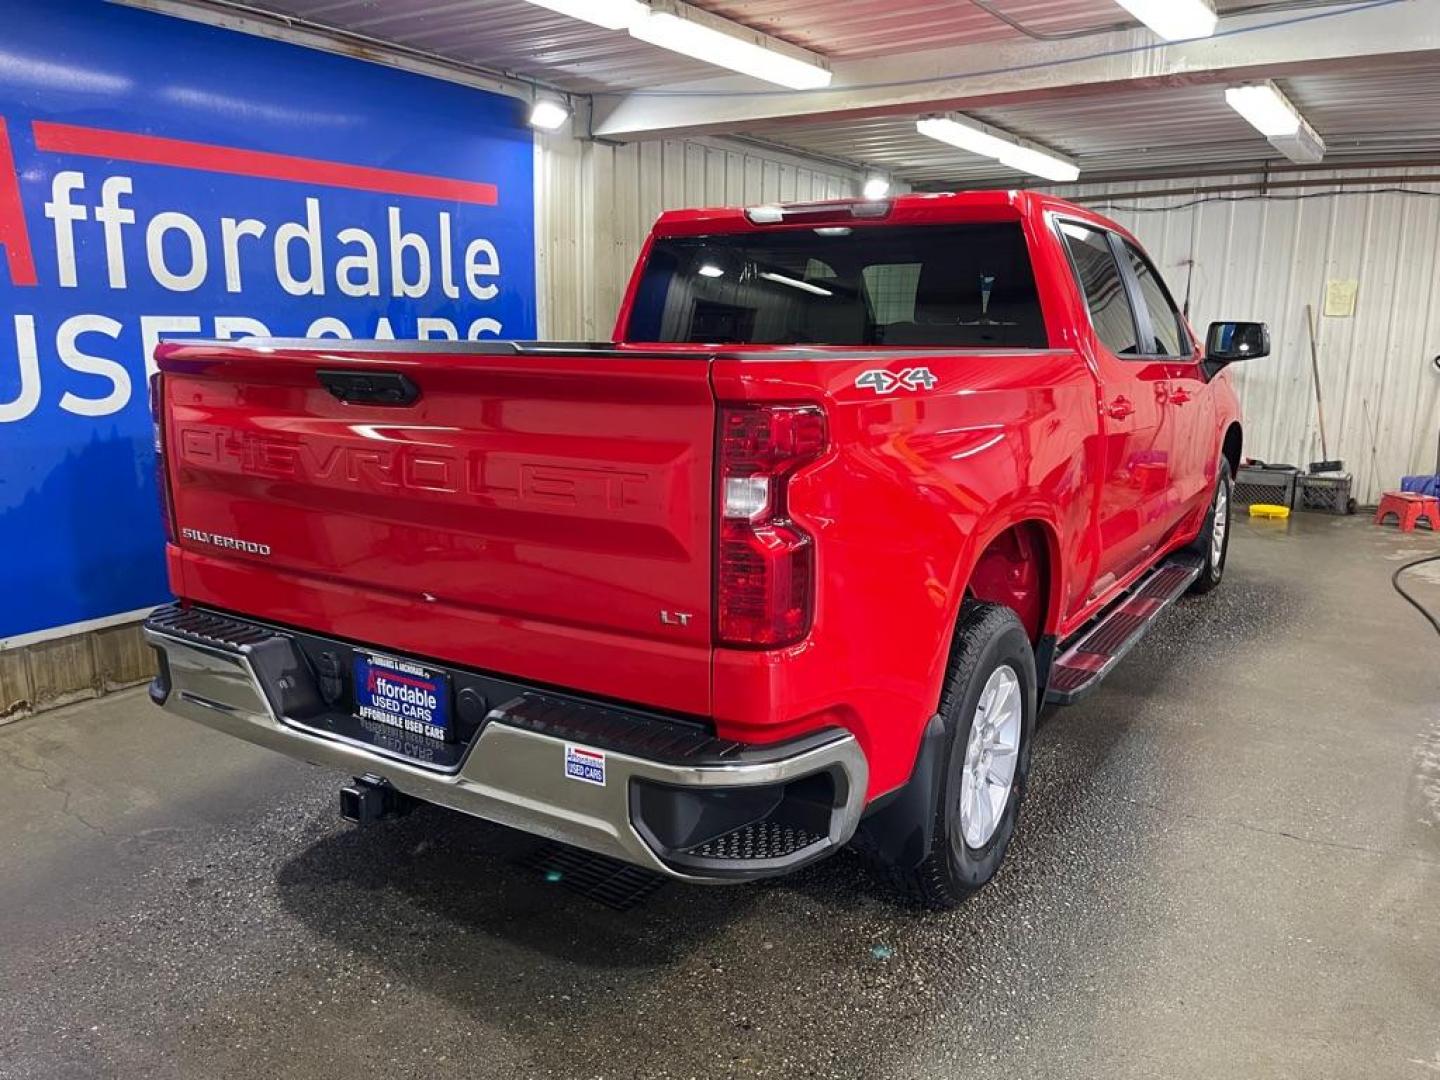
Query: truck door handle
{"x":1120,"y":408}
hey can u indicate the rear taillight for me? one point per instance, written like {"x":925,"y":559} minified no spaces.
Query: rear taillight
{"x":765,"y":577}
{"x":162,"y":481}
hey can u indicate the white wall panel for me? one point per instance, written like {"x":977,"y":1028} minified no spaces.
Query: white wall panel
{"x":1254,"y":257}
{"x":595,"y":204}
{"x":1266,"y":257}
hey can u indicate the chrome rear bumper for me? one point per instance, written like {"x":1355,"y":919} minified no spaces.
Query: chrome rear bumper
{"x":237,"y":677}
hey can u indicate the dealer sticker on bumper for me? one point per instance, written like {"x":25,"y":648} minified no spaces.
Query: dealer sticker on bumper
{"x":584,"y":764}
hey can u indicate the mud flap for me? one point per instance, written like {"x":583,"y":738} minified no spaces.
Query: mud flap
{"x":899,"y":828}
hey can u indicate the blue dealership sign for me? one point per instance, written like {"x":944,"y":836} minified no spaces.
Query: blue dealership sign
{"x":159,"y":178}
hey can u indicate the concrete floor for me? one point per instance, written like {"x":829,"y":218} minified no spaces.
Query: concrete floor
{"x":1229,"y":866}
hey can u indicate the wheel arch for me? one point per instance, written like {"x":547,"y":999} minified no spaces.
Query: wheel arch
{"x":1018,"y":565}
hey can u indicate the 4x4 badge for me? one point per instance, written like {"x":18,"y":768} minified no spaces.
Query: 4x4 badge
{"x":887,"y":382}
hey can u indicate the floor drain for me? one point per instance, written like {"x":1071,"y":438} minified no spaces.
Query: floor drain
{"x":600,"y":878}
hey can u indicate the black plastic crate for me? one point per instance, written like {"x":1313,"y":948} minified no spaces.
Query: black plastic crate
{"x":1324,"y":494}
{"x":1275,"y":487}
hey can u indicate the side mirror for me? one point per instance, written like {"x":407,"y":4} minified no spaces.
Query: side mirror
{"x":1228,"y":342}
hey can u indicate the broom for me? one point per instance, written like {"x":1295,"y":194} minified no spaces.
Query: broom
{"x":1327,"y":465}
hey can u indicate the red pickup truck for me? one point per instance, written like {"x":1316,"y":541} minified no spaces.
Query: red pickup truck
{"x":793,"y":561}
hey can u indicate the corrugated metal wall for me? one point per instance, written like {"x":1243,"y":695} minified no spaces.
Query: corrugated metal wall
{"x":595,"y":203}
{"x":1266,"y":257}
{"x":1254,"y":257}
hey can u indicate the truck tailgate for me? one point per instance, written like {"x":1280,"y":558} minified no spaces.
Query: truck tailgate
{"x":543,"y":513}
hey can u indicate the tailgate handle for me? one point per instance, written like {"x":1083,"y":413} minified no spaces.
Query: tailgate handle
{"x":370,"y":387}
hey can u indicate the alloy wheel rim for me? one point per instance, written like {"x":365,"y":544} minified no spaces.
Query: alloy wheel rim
{"x":991,"y":755}
{"x":1222,"y":522}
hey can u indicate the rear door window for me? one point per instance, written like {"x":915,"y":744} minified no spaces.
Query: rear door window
{"x":960,"y":286}
{"x":1098,"y":275}
{"x":1170,"y":338}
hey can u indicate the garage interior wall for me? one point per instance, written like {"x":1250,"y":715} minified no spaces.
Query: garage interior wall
{"x":1264,"y":256}
{"x":595,"y":203}
{"x":1257,"y":255}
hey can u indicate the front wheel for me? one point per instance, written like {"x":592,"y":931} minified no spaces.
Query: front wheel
{"x":1213,"y":543}
{"x":988,"y":715}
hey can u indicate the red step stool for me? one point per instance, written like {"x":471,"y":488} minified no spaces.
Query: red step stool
{"x":1409,"y":507}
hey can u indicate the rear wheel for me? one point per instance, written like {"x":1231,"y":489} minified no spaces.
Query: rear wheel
{"x":987,"y":712}
{"x":1213,"y":543}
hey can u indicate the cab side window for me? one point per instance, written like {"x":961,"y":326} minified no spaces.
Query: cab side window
{"x":1165,"y":323}
{"x":1099,"y":276}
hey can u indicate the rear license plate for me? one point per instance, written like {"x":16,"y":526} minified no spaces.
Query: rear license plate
{"x":402,"y":694}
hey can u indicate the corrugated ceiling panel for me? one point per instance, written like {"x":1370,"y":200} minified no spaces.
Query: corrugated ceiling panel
{"x":852,"y":29}
{"x":1394,"y":110}
{"x":518,"y":37}
{"x":504,"y":35}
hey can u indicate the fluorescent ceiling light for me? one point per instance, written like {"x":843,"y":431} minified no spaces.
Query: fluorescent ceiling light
{"x":964,"y":134}
{"x":795,"y":283}
{"x":710,"y":270}
{"x":1305,"y":146}
{"x":977,"y":138}
{"x":682,"y":28}
{"x":610,"y":14}
{"x":548,"y":114}
{"x":1039,"y":163}
{"x":694,"y":33}
{"x":1270,"y":112}
{"x":876,"y":187}
{"x":1175,"y":20}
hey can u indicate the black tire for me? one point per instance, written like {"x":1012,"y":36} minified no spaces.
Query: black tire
{"x":987,"y":637}
{"x":1214,"y":567}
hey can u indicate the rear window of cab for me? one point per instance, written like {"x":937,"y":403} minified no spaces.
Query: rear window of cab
{"x":959,"y":286}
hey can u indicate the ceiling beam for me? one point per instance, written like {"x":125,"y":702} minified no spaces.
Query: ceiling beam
{"x":244,"y":18}
{"x":972,"y":76}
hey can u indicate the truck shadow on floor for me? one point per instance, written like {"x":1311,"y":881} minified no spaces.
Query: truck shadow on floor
{"x":440,"y":902}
